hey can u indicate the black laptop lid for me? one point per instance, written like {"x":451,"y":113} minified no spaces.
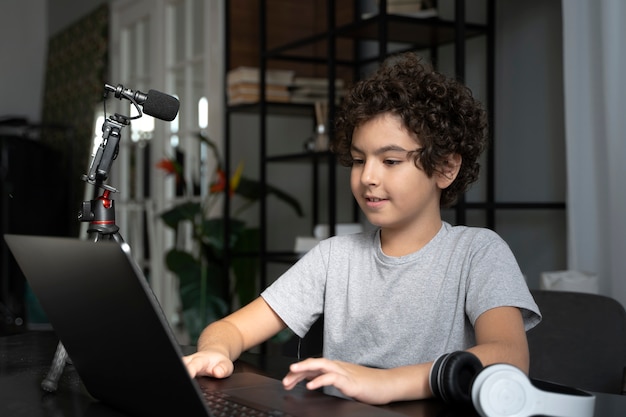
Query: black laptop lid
{"x":110,"y":323}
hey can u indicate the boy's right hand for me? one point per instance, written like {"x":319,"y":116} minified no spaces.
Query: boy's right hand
{"x":209,"y":363}
{"x":223,"y":340}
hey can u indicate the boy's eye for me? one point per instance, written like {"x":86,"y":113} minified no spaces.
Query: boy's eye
{"x":357,"y":161}
{"x":392,"y":162}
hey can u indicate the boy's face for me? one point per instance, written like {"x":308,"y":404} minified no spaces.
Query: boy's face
{"x":392,"y":192}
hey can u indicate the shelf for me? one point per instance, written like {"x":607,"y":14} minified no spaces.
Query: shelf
{"x":419,"y":33}
{"x":514,"y":205}
{"x":278,"y":109}
{"x":422,"y":33}
{"x":283,"y":257}
{"x":301,"y":156}
{"x":288,"y":257}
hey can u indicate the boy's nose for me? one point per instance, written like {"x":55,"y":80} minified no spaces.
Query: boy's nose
{"x":369,"y":176}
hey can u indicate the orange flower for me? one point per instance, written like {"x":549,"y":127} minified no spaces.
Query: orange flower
{"x":171,"y":167}
{"x":167,"y":165}
{"x":220,"y":184}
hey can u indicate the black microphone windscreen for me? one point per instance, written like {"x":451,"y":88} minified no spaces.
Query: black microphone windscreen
{"x":161,"y":105}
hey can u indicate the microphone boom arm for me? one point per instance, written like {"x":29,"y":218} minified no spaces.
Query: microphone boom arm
{"x":107,"y":151}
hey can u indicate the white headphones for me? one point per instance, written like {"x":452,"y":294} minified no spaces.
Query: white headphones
{"x":502,"y":390}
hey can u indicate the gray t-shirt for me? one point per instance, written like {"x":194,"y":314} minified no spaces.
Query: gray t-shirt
{"x":382,"y":311}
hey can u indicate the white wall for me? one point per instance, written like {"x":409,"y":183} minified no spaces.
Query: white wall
{"x":25,"y":27}
{"x":23,"y":43}
{"x":62,"y":13}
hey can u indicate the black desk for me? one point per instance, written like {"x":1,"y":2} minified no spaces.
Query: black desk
{"x":25,"y":360}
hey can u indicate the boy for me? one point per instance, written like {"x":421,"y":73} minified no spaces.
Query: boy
{"x":396,"y":298}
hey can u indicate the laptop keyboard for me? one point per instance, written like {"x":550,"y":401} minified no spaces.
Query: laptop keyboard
{"x":222,"y":404}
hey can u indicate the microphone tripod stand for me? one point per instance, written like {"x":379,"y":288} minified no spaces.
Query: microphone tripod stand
{"x":100,"y":213}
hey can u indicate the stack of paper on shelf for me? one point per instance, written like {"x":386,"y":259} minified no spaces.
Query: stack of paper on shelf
{"x":243,"y":85}
{"x":312,"y":89}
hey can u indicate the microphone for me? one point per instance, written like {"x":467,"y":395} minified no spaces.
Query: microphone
{"x":155,"y":104}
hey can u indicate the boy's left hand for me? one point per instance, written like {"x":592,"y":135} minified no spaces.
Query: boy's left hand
{"x":359,"y":382}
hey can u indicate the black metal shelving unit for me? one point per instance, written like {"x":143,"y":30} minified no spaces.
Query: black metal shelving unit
{"x":413,"y":33}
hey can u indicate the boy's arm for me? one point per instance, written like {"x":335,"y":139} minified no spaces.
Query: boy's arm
{"x":224,"y":340}
{"x":500,"y":337}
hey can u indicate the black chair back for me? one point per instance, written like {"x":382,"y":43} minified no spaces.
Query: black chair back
{"x":580,"y":342}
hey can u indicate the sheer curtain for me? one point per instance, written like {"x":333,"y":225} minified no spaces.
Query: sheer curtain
{"x":594,"y":62}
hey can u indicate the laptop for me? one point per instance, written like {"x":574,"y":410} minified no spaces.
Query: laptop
{"x":116,"y":334}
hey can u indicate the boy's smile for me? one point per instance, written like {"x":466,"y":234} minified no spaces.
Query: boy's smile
{"x":374,"y":202}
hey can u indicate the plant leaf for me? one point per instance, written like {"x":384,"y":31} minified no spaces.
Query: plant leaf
{"x":246,"y":269}
{"x":187,"y":268}
{"x":206,"y":140}
{"x":186,"y":211}
{"x":283,"y":196}
{"x":252,"y":190}
{"x":213,"y":232}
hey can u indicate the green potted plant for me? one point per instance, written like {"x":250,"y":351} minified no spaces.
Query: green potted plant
{"x":205,"y":286}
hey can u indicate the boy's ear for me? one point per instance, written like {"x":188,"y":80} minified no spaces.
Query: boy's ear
{"x":449,"y":170}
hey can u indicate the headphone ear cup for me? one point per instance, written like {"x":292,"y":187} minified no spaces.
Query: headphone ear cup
{"x":502,"y":390}
{"x":452,"y":375}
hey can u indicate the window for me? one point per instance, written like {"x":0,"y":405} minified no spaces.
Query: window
{"x":174,"y":47}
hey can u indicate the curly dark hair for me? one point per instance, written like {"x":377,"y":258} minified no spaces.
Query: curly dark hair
{"x":439,"y":110}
